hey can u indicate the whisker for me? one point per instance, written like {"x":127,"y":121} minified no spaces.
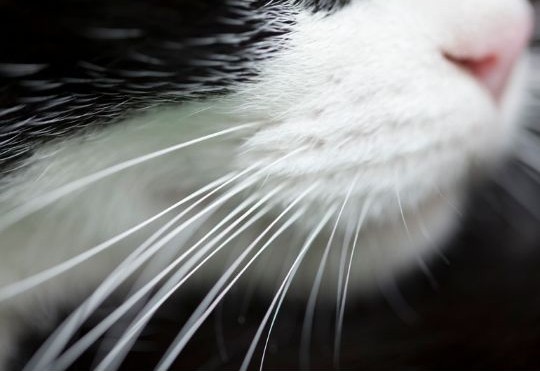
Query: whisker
{"x":17,"y":288}
{"x":402,"y":214}
{"x":209,"y":303}
{"x":49,"y":198}
{"x":93,"y":335}
{"x":71,"y":354}
{"x":110,"y":362}
{"x":61,"y":336}
{"x":507,"y":187}
{"x":39,"y":360}
{"x":284,"y":287}
{"x":527,"y":152}
{"x":431,"y":241}
{"x":150,"y":269}
{"x":421,"y":263}
{"x":140,"y":323}
{"x":182,"y":339}
{"x":309,"y":315}
{"x":250,"y":288}
{"x":531,"y":172}
{"x":393,"y":296}
{"x":345,"y":253}
{"x":339,"y":325}
{"x":220,"y":336}
{"x":449,"y":202}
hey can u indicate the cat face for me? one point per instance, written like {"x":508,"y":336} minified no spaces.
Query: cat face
{"x":396,"y":104}
{"x":352,"y":122}
{"x":383,"y":110}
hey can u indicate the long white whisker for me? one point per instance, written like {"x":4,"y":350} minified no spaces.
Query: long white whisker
{"x":431,"y":241}
{"x":388,"y":286}
{"x":111,"y":361}
{"x":507,"y":187}
{"x":48,"y":353}
{"x":527,"y":152}
{"x":459,"y":212}
{"x":284,"y":287}
{"x":57,"y":341}
{"x":17,"y":288}
{"x":49,"y":198}
{"x":138,"y":258}
{"x":92,"y":336}
{"x":71,"y":354}
{"x":209,"y":303}
{"x":220,"y":336}
{"x":349,"y":234}
{"x":345,"y":253}
{"x":162,"y":260}
{"x":149,"y":271}
{"x":167,"y":292}
{"x":339,"y":325}
{"x":421,"y":263}
{"x":179,"y":343}
{"x":310,"y":308}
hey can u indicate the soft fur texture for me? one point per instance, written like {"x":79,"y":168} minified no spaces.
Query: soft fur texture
{"x":353,"y":113}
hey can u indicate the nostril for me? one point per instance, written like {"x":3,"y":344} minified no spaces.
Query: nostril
{"x":480,"y":68}
{"x":489,"y":47}
{"x":488,"y":71}
{"x":492,"y":71}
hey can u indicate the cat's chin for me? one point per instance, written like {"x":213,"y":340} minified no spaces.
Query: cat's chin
{"x":379,"y":250}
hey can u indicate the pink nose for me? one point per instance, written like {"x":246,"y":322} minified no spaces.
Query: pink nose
{"x":491,"y":56}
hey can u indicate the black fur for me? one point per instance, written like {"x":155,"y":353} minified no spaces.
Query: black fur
{"x":68,"y":64}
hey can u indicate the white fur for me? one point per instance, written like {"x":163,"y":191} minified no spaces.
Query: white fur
{"x":365,"y":92}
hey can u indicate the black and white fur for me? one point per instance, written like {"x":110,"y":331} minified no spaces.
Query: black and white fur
{"x":292,"y":119}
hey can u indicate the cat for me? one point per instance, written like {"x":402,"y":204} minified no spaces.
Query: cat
{"x":319,"y":151}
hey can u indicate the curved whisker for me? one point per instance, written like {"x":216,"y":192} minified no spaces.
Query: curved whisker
{"x":341,"y":316}
{"x":71,"y":354}
{"x":284,"y":287}
{"x":115,"y":356}
{"x":345,"y":253}
{"x":430,"y":240}
{"x":309,"y":315}
{"x":93,"y":335}
{"x":17,"y":288}
{"x":445,"y":197}
{"x":420,"y":261}
{"x":40,"y":202}
{"x":214,"y":297}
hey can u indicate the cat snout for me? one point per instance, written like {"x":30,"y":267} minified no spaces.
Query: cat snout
{"x":490,"y":48}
